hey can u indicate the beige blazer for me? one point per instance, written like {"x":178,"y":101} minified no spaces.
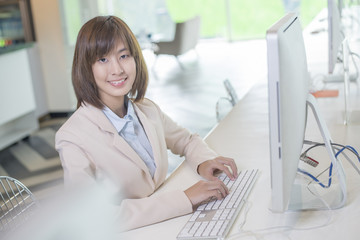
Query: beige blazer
{"x":91,"y":149}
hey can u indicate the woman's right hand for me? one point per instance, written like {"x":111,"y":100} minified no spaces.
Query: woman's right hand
{"x":204,"y":191}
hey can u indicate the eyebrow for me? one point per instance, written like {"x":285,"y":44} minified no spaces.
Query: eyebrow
{"x":122,"y":50}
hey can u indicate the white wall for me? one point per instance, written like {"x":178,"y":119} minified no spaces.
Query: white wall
{"x":53,"y":55}
{"x":38,"y":81}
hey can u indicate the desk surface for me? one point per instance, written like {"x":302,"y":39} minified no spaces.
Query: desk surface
{"x":244,"y":135}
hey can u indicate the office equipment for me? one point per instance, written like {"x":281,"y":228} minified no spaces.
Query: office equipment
{"x":213,"y":220}
{"x":338,"y":42}
{"x":17,"y":204}
{"x":341,"y":5}
{"x":335,"y":36}
{"x":289,"y":100}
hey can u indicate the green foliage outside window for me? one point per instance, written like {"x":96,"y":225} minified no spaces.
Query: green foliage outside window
{"x":249,"y":18}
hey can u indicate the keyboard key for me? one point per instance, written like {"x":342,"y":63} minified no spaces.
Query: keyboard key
{"x":194,"y":216}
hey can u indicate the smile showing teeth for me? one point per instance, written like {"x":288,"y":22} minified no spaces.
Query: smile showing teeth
{"x":115,"y":83}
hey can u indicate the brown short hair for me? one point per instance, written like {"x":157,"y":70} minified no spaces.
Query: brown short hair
{"x":97,"y":38}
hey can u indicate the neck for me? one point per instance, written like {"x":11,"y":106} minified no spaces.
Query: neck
{"x":120,"y":108}
{"x":121,"y":111}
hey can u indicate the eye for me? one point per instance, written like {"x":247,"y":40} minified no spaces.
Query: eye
{"x":103,"y":60}
{"x":124,"y":56}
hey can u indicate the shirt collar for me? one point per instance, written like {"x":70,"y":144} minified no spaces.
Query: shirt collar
{"x":118,"y":122}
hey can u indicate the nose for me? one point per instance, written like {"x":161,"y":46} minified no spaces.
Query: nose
{"x":116,"y":67}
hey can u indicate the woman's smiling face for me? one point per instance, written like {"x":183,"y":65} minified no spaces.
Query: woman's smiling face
{"x":114,"y":75}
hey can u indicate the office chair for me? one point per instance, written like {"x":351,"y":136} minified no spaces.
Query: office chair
{"x":232,"y":99}
{"x":186,"y":37}
{"x":17,"y":204}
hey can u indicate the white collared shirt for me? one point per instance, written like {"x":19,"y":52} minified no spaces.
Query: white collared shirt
{"x":130,"y":128}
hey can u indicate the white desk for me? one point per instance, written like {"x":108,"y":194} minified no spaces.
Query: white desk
{"x":243,"y":135}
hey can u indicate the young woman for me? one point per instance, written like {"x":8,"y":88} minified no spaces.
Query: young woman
{"x":118,"y":135}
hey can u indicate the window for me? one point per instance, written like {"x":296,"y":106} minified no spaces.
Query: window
{"x":229,"y":19}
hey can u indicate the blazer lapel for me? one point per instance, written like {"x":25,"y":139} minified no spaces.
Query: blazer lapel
{"x":104,"y":123}
{"x":126,"y":149}
{"x":153,"y":139}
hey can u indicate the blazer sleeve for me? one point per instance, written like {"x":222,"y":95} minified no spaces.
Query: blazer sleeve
{"x":184,"y":143}
{"x":78,"y":167}
{"x":134,"y":213}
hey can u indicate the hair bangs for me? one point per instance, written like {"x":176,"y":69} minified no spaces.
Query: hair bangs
{"x":106,"y":38}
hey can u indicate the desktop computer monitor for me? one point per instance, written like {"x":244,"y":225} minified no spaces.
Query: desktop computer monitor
{"x":289,"y":99}
{"x":335,"y":36}
{"x":288,"y":90}
{"x":341,"y":5}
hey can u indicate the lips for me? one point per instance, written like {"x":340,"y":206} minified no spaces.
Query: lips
{"x":117,"y":83}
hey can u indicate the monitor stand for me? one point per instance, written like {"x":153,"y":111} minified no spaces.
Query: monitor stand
{"x":305,"y":195}
{"x":339,"y":78}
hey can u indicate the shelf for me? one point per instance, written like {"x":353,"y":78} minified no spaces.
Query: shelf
{"x":17,"y":100}
{"x":17,"y":129}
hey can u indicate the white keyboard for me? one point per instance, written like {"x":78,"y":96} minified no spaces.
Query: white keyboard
{"x":214,"y":219}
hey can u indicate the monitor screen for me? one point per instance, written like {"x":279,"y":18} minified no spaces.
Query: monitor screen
{"x":288,"y":80}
